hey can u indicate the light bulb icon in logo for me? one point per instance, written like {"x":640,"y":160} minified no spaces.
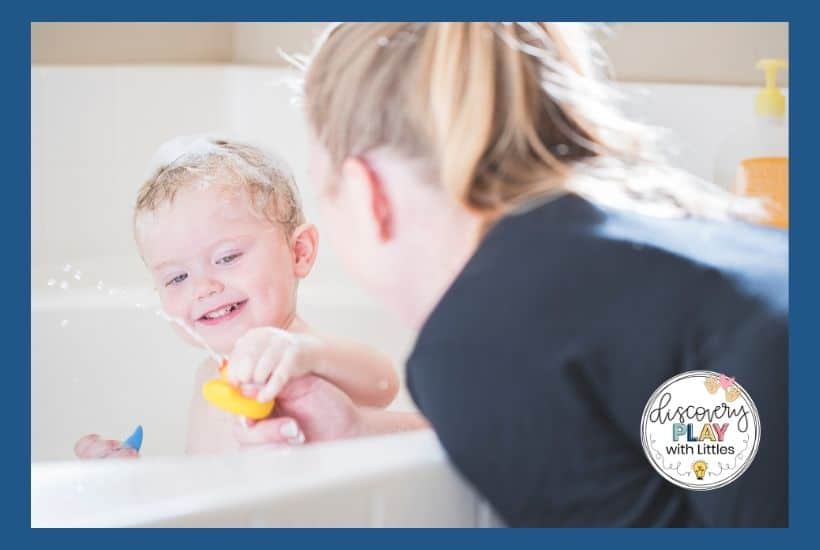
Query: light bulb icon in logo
{"x":700,"y":467}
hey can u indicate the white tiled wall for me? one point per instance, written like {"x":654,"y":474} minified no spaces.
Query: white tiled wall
{"x":95,"y":127}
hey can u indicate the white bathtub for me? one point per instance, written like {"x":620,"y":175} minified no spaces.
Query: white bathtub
{"x":112,"y":366}
{"x":99,"y":364}
{"x":401,"y":480}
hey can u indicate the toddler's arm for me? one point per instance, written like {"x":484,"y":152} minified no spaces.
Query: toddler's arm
{"x":269,"y":357}
{"x":365,"y":374}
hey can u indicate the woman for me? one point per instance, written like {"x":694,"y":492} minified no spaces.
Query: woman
{"x":478,"y":180}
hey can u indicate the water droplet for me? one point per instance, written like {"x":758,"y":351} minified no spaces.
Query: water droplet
{"x":100,"y":285}
{"x":64,"y":285}
{"x":64,"y":323}
{"x":382,"y":41}
{"x":78,"y":274}
{"x":67,"y":268}
{"x":51,"y":282}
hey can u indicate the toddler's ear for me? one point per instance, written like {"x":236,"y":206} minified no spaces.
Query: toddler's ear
{"x":305,"y":241}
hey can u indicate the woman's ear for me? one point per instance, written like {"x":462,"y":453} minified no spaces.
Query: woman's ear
{"x":370,"y":192}
{"x":305,"y":245}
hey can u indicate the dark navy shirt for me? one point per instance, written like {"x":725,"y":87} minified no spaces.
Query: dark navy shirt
{"x":535,"y":366}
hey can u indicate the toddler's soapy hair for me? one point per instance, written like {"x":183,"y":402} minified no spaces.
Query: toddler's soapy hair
{"x":188,"y":162}
{"x":499,"y":112}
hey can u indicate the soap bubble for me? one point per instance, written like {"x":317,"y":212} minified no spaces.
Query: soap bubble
{"x":67,"y":268}
{"x":64,"y":323}
{"x":64,"y":285}
{"x":78,"y":274}
{"x":51,"y":282}
{"x":100,"y":285}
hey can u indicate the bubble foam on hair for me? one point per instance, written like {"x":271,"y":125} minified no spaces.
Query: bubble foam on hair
{"x":199,"y":161}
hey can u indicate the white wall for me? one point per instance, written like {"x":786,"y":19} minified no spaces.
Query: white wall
{"x":694,"y":52}
{"x":94,"y":129}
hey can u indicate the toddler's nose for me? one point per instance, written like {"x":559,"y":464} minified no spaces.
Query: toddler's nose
{"x":207,"y":287}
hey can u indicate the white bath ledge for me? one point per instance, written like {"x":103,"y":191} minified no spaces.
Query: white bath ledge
{"x":395,"y":480}
{"x":50,"y":299}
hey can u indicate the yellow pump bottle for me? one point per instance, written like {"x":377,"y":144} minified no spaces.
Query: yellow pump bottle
{"x":754,"y":161}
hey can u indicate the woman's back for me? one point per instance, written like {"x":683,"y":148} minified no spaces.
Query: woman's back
{"x":536,"y":365}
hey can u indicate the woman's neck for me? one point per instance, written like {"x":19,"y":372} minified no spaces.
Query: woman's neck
{"x":444,"y":247}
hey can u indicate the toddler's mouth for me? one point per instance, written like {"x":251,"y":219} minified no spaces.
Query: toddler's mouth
{"x":223,"y":313}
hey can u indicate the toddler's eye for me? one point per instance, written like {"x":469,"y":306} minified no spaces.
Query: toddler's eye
{"x":230,"y":258}
{"x":178,"y":279}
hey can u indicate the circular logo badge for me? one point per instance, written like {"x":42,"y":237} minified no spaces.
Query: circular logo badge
{"x":700,"y":430}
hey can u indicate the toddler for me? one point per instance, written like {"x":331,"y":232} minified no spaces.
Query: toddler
{"x":221,"y":229}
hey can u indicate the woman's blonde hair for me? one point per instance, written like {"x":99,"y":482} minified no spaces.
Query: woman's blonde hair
{"x":200,"y":161}
{"x":501,"y":111}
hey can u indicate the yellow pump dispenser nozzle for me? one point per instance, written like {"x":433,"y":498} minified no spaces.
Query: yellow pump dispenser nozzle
{"x":770,"y":100}
{"x":754,"y":158}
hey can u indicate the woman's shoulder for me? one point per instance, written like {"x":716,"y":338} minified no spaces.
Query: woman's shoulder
{"x":567,"y":264}
{"x":570,"y":241}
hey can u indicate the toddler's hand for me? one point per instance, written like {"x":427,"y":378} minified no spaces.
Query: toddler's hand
{"x":93,"y":446}
{"x":266,"y":358}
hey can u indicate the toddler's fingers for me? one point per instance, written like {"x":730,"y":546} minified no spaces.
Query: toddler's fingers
{"x":266,"y":364}
{"x":240,"y":367}
{"x":286,"y":370}
{"x":84,"y":443}
{"x":274,"y":386}
{"x":99,"y":448}
{"x":272,"y":430}
{"x":249,"y":390}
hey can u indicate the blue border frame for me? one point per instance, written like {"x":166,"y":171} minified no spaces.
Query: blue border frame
{"x":804,"y":272}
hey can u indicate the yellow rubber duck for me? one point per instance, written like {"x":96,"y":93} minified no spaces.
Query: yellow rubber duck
{"x":220,"y":393}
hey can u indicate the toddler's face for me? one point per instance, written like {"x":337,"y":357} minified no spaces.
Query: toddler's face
{"x":218,"y":266}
